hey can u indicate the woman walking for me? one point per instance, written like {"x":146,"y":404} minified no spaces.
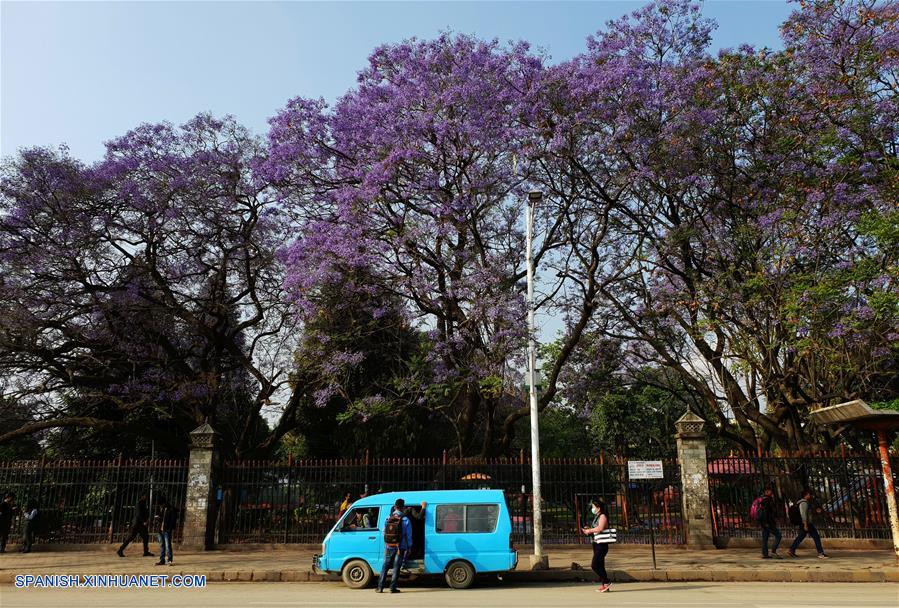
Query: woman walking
{"x":602,"y":537}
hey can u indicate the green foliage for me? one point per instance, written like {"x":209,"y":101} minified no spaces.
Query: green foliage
{"x":293,"y":445}
{"x":563,"y":434}
{"x":22,"y":448}
{"x":886,"y":405}
{"x":491,"y":387}
{"x":366,"y":383}
{"x":95,"y":500}
{"x":637,"y":421}
{"x":882,"y":227}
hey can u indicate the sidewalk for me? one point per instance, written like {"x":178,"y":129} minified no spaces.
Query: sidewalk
{"x":567,"y":563}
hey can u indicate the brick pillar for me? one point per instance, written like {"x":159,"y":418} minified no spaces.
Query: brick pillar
{"x":199,"y":509}
{"x":694,"y":474}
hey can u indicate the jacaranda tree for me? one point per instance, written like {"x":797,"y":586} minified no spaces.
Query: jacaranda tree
{"x":410,"y":181}
{"x":142,"y":294}
{"x":725,"y":225}
{"x":761,"y":208}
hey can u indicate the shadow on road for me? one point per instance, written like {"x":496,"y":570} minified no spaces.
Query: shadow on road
{"x":437,"y":583}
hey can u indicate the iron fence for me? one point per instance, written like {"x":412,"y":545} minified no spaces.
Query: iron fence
{"x":299,"y":501}
{"x":89,"y":501}
{"x":848,"y":488}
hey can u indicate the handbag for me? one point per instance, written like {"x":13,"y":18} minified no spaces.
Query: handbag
{"x":609,"y":535}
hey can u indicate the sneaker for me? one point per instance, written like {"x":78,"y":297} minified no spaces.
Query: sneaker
{"x":791,"y":553}
{"x":775,"y":555}
{"x":379,"y":591}
{"x":766,"y":557}
{"x":119,"y":553}
{"x":148,"y":554}
{"x":171,"y":563}
{"x":160,"y":564}
{"x":823,"y":556}
{"x":394,"y":591}
{"x":604,"y":588}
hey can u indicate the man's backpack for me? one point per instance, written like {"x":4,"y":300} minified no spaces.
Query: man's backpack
{"x":757,"y":510}
{"x":794,"y":514}
{"x":37,"y":524}
{"x":393,"y":529}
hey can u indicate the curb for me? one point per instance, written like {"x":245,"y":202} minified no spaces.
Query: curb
{"x":559,"y":576}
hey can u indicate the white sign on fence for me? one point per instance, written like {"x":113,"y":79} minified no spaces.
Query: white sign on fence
{"x":645,"y":469}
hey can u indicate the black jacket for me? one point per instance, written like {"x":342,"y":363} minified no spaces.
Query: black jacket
{"x":166,"y":518}
{"x":6,"y":513}
{"x":141,"y":512}
{"x":768,"y":515}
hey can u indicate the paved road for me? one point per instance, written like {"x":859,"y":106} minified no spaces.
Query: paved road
{"x":330,"y":595}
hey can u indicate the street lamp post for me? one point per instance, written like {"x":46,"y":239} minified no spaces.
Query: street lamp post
{"x":538,"y":560}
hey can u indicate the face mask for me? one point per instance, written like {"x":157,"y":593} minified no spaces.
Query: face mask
{"x":594,"y":509}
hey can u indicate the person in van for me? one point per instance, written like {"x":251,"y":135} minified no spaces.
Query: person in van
{"x":418,"y":515}
{"x":805,"y":519}
{"x":602,"y":536}
{"x":452,"y":521}
{"x":397,"y":540}
{"x":362,"y":521}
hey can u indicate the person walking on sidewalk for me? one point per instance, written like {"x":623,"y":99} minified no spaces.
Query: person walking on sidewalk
{"x":766,"y":516}
{"x":804,"y":512}
{"x":397,"y":540}
{"x":138,"y":526}
{"x":32,"y":518}
{"x":7,"y":511}
{"x":601,"y":537}
{"x":166,"y":519}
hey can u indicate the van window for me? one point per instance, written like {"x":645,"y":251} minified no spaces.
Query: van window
{"x":361,"y":518}
{"x":481,"y":518}
{"x":455,"y":519}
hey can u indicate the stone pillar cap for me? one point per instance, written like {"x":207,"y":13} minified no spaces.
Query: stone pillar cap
{"x":202,"y":436}
{"x":204,"y":429}
{"x":690,"y":425}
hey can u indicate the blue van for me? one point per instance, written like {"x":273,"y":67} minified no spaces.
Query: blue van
{"x":463,"y":532}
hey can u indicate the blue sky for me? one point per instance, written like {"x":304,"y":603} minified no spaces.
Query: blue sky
{"x":81,"y":73}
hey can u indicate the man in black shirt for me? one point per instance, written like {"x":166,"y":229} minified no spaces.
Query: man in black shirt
{"x":7,"y":510}
{"x":138,"y":526}
{"x":166,"y":520}
{"x":768,"y":521}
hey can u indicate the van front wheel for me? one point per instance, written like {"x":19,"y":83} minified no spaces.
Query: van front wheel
{"x":356,"y":574}
{"x":459,"y":575}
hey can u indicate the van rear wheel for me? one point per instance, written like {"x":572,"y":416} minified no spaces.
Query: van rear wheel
{"x":459,"y":575}
{"x":356,"y":574}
